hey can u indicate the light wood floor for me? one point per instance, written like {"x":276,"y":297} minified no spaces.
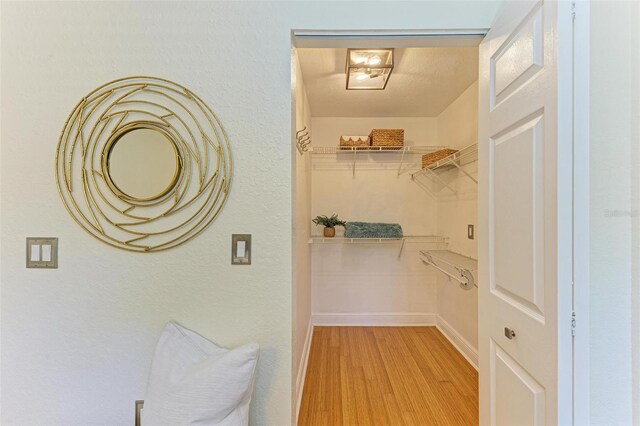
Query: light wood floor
{"x":387,"y":376}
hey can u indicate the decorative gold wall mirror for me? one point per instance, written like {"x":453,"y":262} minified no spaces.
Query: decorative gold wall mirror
{"x":143,"y":164}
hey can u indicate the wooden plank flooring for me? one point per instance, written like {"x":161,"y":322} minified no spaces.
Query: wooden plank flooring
{"x":387,"y":376}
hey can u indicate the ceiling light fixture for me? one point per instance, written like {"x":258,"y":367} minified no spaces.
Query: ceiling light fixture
{"x":368,"y":69}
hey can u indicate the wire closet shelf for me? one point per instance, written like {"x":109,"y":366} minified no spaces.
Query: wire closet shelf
{"x":458,"y":160}
{"x":435,"y":240}
{"x":406,"y":157}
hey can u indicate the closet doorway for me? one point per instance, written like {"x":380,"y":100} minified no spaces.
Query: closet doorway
{"x":394,"y":316}
{"x":439,"y":300}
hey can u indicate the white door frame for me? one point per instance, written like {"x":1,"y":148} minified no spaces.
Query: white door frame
{"x":580,"y":17}
{"x":573,"y":82}
{"x":573,"y":125}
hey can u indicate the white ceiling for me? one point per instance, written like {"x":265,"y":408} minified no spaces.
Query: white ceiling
{"x":423,"y":83}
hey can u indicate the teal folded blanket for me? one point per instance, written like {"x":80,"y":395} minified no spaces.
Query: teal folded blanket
{"x":372,"y":230}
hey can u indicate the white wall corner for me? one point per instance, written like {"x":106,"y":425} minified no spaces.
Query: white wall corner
{"x":460,"y":343}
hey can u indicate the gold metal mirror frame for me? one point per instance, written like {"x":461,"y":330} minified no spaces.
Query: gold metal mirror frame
{"x":195,"y":196}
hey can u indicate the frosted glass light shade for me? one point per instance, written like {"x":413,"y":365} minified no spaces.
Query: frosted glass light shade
{"x":368,"y":69}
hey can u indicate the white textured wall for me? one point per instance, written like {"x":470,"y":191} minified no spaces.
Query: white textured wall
{"x":77,"y":341}
{"x":614,"y":212}
{"x":301,"y":231}
{"x":369,"y":278}
{"x":458,"y":128}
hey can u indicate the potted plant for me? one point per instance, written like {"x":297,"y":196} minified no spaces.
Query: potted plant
{"x":329,"y":224}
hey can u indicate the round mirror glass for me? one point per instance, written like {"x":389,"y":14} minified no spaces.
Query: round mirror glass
{"x":142,"y":164}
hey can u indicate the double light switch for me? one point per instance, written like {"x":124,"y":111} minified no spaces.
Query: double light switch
{"x":42,"y":252}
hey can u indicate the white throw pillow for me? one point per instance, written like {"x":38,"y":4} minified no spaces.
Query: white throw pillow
{"x":195,"y":382}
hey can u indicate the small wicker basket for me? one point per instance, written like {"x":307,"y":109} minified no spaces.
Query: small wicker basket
{"x":429,"y":159}
{"x":387,"y":138}
{"x":358,"y":142}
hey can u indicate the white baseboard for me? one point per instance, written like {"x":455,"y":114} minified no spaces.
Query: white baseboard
{"x":302,"y":368}
{"x":460,"y":343}
{"x":375,"y":319}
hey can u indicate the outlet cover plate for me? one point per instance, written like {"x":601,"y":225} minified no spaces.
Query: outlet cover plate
{"x":245,"y":256}
{"x":42,"y":252}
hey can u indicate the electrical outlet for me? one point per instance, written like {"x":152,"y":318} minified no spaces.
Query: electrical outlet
{"x":470,"y":233}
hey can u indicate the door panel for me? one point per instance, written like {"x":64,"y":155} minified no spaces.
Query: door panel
{"x":517,"y":394}
{"x":518,"y":210}
{"x":519,"y":58}
{"x":517,"y":205}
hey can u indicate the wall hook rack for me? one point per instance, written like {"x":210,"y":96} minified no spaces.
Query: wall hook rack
{"x":303,"y":140}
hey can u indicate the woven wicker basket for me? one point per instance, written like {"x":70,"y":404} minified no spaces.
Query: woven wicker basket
{"x":388,"y":138}
{"x":359,"y":142}
{"x":436,"y":156}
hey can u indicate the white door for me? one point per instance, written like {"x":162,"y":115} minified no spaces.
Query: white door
{"x":522,"y":202}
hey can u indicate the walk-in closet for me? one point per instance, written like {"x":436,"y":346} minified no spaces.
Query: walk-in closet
{"x":386,"y":151}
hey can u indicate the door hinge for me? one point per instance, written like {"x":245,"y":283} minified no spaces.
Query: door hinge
{"x":573,"y":323}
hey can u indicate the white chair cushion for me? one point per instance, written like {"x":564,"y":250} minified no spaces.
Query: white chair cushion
{"x":195,"y":382}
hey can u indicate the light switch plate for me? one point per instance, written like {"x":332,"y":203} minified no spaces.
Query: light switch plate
{"x":470,"y":232}
{"x":241,"y":249}
{"x":42,"y":252}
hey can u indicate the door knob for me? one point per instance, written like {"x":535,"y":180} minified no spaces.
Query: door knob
{"x":509,"y":333}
